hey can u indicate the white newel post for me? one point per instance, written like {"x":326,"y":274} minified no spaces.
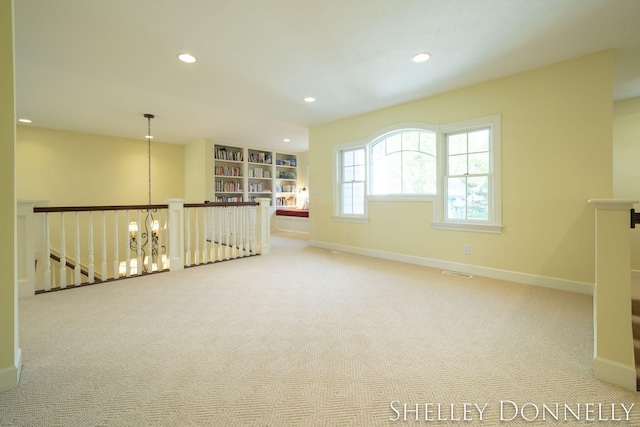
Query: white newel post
{"x":175,"y":238}
{"x":263,"y":226}
{"x":613,"y":336}
{"x":26,"y":251}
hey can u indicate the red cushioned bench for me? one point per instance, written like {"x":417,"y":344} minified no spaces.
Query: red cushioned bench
{"x":301,"y":213}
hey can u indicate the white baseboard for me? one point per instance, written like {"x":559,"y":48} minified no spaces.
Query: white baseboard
{"x":493,"y":273}
{"x":10,"y":376}
{"x":614,"y":373}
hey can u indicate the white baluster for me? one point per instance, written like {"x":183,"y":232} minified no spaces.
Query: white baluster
{"x":116,"y":255}
{"x":76,"y":277}
{"x":248,"y":247}
{"x":222,"y":241}
{"x":104,"y":273}
{"x":234,"y":231}
{"x":47,"y":252}
{"x":149,"y":257}
{"x":240,"y":240}
{"x":139,"y":260}
{"x":160,"y":222}
{"x":254,"y":234}
{"x":227,"y":232}
{"x":205,"y":250}
{"x":197,"y":238}
{"x":128,"y":248}
{"x":243,"y":245}
{"x":92,"y":272}
{"x":212,"y":235}
{"x":187,"y":223}
{"x":217,"y":213}
{"x":63,"y":254}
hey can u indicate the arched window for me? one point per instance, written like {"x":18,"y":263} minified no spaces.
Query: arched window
{"x":403,"y":162}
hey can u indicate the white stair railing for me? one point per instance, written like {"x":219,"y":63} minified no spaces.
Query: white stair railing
{"x":164,"y":237}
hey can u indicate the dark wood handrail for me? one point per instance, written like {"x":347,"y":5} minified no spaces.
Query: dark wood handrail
{"x":68,"y":264}
{"x":41,"y":209}
{"x":204,"y":205}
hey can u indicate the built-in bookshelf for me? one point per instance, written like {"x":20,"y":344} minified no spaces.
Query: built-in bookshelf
{"x":246,"y":174}
{"x":259,"y":179}
{"x":228,"y":170}
{"x":286,"y":178}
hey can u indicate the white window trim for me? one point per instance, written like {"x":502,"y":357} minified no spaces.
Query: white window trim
{"x":494,"y":224}
{"x":337,"y":191}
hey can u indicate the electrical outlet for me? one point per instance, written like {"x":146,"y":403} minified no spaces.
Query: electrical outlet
{"x":466,"y":249}
{"x":348,"y":235}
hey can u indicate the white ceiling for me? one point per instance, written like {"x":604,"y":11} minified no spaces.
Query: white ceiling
{"x":98,"y":66}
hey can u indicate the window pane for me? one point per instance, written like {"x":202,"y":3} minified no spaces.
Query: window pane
{"x":457,"y":144}
{"x":386,"y":175}
{"x":418,"y":173}
{"x":347,"y":174}
{"x":428,"y":142}
{"x":347,"y":158}
{"x":394,"y":143}
{"x":431,"y":179}
{"x":358,"y":198}
{"x":378,"y":151}
{"x":479,"y":163}
{"x":458,"y":165}
{"x":478,"y":198}
{"x":347,"y":198}
{"x":456,"y":198}
{"x":410,"y":141}
{"x":359,"y":173}
{"x":479,"y":141}
{"x":358,"y":157}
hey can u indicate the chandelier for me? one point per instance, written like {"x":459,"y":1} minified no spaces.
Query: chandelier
{"x":145,"y":237}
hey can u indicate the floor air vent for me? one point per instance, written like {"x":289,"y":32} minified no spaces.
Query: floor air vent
{"x":457,"y":273}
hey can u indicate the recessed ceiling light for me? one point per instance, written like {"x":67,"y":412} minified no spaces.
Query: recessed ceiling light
{"x":421,"y":57}
{"x":24,"y":121}
{"x":286,"y":140}
{"x":309,"y":99}
{"x":187,"y":57}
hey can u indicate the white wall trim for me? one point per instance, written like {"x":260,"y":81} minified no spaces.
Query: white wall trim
{"x":10,"y":376}
{"x":493,"y":273}
{"x":614,"y":373}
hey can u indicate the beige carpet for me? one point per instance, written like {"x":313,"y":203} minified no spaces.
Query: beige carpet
{"x":306,"y":337}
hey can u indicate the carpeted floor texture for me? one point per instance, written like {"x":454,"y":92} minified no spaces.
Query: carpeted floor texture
{"x":309,"y":337}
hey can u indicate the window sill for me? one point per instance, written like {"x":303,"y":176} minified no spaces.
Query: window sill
{"x":459,"y":226}
{"x":358,"y":219}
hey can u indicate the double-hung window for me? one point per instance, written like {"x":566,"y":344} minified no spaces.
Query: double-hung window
{"x":468,"y":175}
{"x":352,"y":182}
{"x":471,"y":175}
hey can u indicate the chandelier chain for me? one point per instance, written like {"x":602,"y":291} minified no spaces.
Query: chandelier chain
{"x":149,"y":152}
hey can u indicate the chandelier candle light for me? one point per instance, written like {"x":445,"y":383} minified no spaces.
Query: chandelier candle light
{"x":146,"y":243}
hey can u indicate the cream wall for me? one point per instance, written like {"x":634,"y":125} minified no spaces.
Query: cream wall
{"x":68,"y":169}
{"x":556,"y":154}
{"x":9,"y":351}
{"x":198,"y":171}
{"x":626,"y":162}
